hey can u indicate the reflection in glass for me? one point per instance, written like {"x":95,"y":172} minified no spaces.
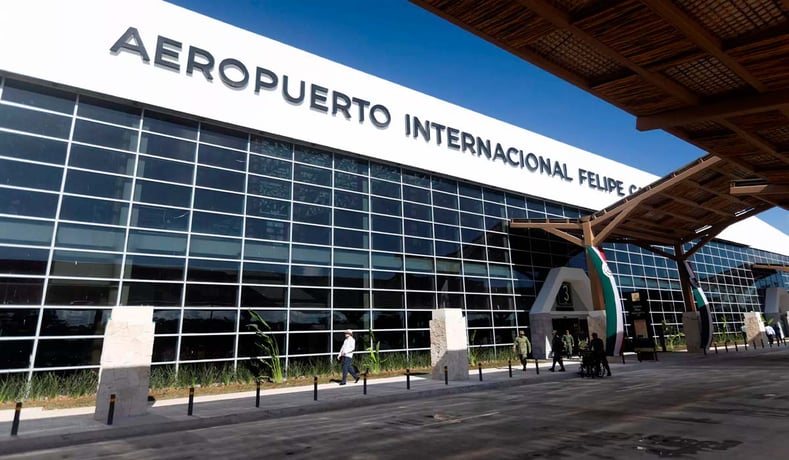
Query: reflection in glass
{"x":33,"y":148}
{"x":162,"y":294}
{"x":74,"y":322}
{"x":30,"y":175}
{"x":220,"y":271}
{"x":68,"y":352}
{"x":210,"y":295}
{"x":86,"y":264}
{"x":21,"y":291}
{"x":15,"y":354}
{"x":28,"y":203}
{"x":209,"y":321}
{"x":198,"y":347}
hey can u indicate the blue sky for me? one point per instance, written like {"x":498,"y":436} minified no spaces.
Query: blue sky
{"x":402,"y":43}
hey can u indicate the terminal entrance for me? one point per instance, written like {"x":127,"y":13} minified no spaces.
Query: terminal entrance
{"x":578,"y":327}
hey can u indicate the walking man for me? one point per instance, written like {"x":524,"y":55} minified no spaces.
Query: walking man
{"x":346,"y":355}
{"x":557,"y":344}
{"x":569,"y":344}
{"x":522,"y":347}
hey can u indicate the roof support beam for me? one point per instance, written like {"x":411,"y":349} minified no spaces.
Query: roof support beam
{"x":726,"y":108}
{"x":761,"y":189}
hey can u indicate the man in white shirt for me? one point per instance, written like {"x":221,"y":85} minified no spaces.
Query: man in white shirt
{"x":346,"y":355}
{"x":770,"y":333}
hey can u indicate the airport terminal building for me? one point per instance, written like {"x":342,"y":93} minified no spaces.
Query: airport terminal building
{"x":160,"y":157}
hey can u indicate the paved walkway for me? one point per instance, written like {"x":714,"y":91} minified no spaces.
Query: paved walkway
{"x":55,"y":428}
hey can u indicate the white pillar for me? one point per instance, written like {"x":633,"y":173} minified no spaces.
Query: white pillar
{"x":449,"y":344}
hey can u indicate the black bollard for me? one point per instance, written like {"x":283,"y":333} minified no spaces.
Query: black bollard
{"x":726,"y":346}
{"x":191,"y":406}
{"x":446,"y":376}
{"x":704,"y":349}
{"x":257,"y":394}
{"x":315,"y":388}
{"x":111,"y":411}
{"x":623,"y":356}
{"x":364,"y":382}
{"x":479,"y":366}
{"x":762,"y":343}
{"x":509,"y":364}
{"x":408,"y":379}
{"x":15,"y":424}
{"x":736,"y":347}
{"x":537,"y":366}
{"x":716,"y":348}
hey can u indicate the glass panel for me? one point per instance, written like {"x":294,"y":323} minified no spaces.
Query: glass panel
{"x":99,"y":185}
{"x":388,"y":320}
{"x":260,"y":250}
{"x":445,"y":185}
{"x":163,"y":347}
{"x":105,"y":135}
{"x":312,"y":194}
{"x":90,"y":237}
{"x":271,"y":147}
{"x":355,"y":165}
{"x":217,"y":178}
{"x":472,"y":220}
{"x":107,"y":111}
{"x":351,"y":278}
{"x":18,"y":231}
{"x":206,"y":246}
{"x":311,"y":255}
{"x":74,"y":322}
{"x":200,"y":347}
{"x":312,"y":175}
{"x":387,"y":172}
{"x":79,"y":292}
{"x":473,"y":191}
{"x":387,"y":224}
{"x":156,"y":242}
{"x":32,"y":148}
{"x":18,"y":322}
{"x":160,"y":193}
{"x":268,"y":229}
{"x":350,"y":182}
{"x":212,"y":200}
{"x":420,"y":281}
{"x":263,"y":296}
{"x":68,"y":352}
{"x":351,"y":200}
{"x":446,"y":232}
{"x":270,"y":167}
{"x":268,"y":208}
{"x":48,"y":124}
{"x":30,"y":175}
{"x":98,"y":211}
{"x":387,"y":280}
{"x":416,"y":211}
{"x":86,"y":264}
{"x":162,"y":146}
{"x":387,"y":189}
{"x":416,"y":194}
{"x":171,"y":171}
{"x":38,"y":96}
{"x":209,"y":321}
{"x":419,"y":264}
{"x":384,"y":206}
{"x":154,"y":268}
{"x":224,"y":158}
{"x":350,"y":219}
{"x":309,"y":297}
{"x":27,"y":203}
{"x":445,"y":216}
{"x":15,"y":354}
{"x":392,"y":243}
{"x":346,"y":258}
{"x":23,"y":261}
{"x":161,"y":218}
{"x":220,"y":271}
{"x":471,"y":205}
{"x":351,"y":239}
{"x":265,"y":273}
{"x":419,"y":246}
{"x":168,"y":124}
{"x":220,"y":224}
{"x":21,"y":291}
{"x":387,"y":299}
{"x":418,"y":228}
{"x":311,"y":214}
{"x":309,"y":343}
{"x":223,"y":136}
{"x":445,"y":200}
{"x":269,"y":187}
{"x":84,"y":156}
{"x":276,"y":319}
{"x":309,"y":320}
{"x":312,"y":156}
{"x":309,"y":276}
{"x":211,"y":295}
{"x":421,"y":300}
{"x":351,"y":319}
{"x":311,"y":234}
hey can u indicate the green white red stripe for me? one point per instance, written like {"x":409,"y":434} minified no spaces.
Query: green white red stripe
{"x":614,"y":329}
{"x":702,"y":306}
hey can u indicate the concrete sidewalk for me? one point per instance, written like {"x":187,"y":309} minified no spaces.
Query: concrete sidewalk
{"x":39,"y":429}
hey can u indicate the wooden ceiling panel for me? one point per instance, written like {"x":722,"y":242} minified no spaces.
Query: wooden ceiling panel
{"x":714,"y":73}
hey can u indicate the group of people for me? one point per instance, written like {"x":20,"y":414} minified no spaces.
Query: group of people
{"x":562,"y":346}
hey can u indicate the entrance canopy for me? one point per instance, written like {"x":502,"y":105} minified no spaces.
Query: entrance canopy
{"x":715,"y":74}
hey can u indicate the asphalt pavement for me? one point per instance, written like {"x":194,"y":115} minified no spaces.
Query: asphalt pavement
{"x":51,"y":429}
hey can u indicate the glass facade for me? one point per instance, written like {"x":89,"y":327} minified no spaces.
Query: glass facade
{"x":104,"y":204}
